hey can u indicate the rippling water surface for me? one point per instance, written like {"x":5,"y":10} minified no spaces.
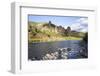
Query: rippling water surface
{"x":38,"y":50}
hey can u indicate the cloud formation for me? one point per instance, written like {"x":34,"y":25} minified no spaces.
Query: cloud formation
{"x":81,"y":25}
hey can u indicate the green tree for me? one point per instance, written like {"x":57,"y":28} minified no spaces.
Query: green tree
{"x":68,"y":31}
{"x":85,"y":38}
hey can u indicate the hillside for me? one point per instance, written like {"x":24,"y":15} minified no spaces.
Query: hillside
{"x":42,"y":31}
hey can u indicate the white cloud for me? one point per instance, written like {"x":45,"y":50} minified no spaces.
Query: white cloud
{"x":83,"y":20}
{"x":81,"y":25}
{"x":75,"y":26}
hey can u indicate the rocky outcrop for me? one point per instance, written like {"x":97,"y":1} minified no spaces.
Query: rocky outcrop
{"x":47,"y":28}
{"x":49,"y":32}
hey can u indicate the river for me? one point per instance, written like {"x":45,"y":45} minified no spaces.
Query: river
{"x":38,"y":50}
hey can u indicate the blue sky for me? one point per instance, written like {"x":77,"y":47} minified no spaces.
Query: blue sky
{"x":75,"y":22}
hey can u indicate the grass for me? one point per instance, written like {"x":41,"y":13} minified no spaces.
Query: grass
{"x":73,"y":38}
{"x":53,"y":39}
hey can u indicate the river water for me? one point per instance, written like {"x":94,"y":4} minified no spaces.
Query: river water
{"x":38,"y":50}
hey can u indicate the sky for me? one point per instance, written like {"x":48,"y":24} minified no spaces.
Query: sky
{"x":76,"y":23}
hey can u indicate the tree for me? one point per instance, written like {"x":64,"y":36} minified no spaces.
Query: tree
{"x":68,"y":31}
{"x":84,"y":45}
{"x":50,"y":23}
{"x":85,"y":39}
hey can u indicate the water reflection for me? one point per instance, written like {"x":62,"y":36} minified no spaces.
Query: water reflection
{"x":51,"y":51}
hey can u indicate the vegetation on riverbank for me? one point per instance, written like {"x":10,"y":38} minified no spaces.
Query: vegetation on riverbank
{"x":45,"y":32}
{"x":51,"y":39}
